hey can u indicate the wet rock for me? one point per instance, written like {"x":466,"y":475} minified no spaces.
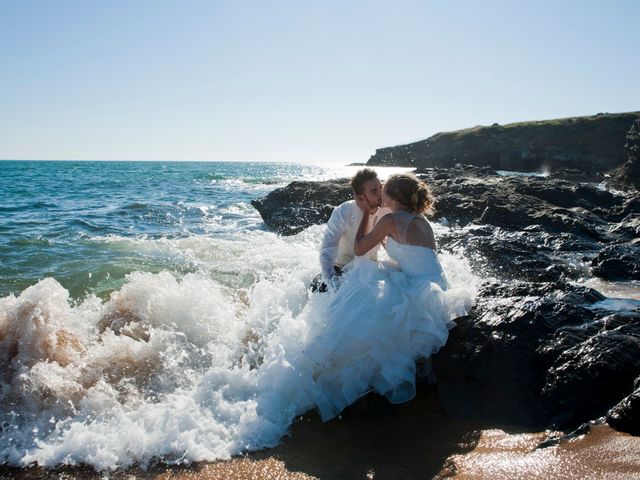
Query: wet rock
{"x":562,"y":193}
{"x":575,"y":175}
{"x":629,"y":172}
{"x":593,"y":375}
{"x":557,"y":439}
{"x":618,"y":262}
{"x":492,"y":368}
{"x":530,"y":255}
{"x":291,"y":209}
{"x":457,"y":170}
{"x":629,"y":228}
{"x":519,"y":202}
{"x":625,"y":416}
{"x":538,"y":356}
{"x":541,"y":355}
{"x":465,"y":195}
{"x":630,"y":206}
{"x":522,"y":214}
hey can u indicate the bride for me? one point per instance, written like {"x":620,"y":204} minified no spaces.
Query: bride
{"x":386,"y":315}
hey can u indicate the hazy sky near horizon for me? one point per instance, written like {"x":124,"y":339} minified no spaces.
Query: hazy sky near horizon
{"x":295,"y":80}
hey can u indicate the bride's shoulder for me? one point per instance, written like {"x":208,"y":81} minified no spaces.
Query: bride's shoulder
{"x":387,"y":224}
{"x":387,"y":218}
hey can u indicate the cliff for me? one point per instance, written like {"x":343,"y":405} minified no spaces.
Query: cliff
{"x":593,"y":144}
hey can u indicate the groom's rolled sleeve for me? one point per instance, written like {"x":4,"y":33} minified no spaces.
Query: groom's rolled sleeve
{"x":330,"y":242}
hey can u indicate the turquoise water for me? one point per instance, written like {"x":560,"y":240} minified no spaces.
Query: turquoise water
{"x":63,"y":219}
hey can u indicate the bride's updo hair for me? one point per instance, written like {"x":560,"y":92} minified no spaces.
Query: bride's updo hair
{"x":410,"y":191}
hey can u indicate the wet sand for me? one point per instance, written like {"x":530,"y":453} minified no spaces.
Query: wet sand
{"x":602,"y":453}
{"x":373,"y":440}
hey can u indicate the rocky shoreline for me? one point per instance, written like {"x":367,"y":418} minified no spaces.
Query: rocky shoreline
{"x":539,"y":350}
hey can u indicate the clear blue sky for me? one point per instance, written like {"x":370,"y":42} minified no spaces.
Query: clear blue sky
{"x":299,"y":80}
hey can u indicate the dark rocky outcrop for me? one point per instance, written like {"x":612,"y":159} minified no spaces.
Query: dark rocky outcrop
{"x":625,"y":416}
{"x":492,"y":354}
{"x":629,"y":172}
{"x":519,"y":202}
{"x":538,"y":355}
{"x":471,"y":195}
{"x":629,"y":227}
{"x":291,"y":209}
{"x":528,"y":255}
{"x":595,"y":365}
{"x":592,"y":145}
{"x":618,"y":262}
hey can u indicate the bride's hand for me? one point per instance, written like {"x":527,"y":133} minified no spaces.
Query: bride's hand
{"x":362,"y":203}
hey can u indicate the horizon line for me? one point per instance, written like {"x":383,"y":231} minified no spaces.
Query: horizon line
{"x":159,"y":160}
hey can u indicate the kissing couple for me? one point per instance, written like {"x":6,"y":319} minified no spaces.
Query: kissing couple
{"x":382,"y":316}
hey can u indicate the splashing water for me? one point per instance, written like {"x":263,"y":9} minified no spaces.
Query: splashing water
{"x":170,"y":368}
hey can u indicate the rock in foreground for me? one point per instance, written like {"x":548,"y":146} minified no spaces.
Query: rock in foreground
{"x":539,"y":355}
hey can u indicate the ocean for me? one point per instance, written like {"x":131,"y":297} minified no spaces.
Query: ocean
{"x":144,"y":309}
{"x":89,"y":224}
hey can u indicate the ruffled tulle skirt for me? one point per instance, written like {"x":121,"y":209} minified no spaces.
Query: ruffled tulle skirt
{"x":378,"y":324}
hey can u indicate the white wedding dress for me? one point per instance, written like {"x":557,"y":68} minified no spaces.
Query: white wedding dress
{"x":384,"y":317}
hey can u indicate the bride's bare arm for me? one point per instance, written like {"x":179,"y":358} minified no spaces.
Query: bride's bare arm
{"x":363,"y":243}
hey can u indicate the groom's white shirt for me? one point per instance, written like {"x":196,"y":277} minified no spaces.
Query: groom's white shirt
{"x":337,"y":243}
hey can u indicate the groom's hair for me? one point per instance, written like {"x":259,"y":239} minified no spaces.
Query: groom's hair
{"x":360,"y":178}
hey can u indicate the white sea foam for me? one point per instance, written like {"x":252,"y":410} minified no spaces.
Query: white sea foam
{"x":622,"y":290}
{"x":616,"y":304}
{"x":606,"y":187}
{"x":172,"y":368}
{"x":510,"y":173}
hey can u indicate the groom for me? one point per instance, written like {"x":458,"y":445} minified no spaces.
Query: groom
{"x":336,"y":250}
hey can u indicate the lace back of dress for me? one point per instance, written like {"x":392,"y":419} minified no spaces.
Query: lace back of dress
{"x":402,"y":219}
